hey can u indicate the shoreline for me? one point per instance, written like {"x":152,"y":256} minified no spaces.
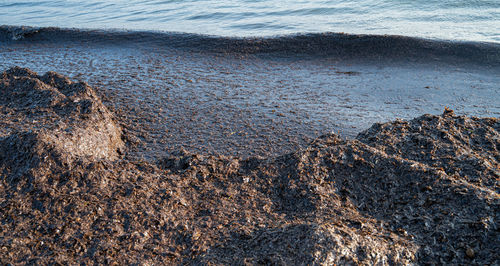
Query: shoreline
{"x":244,"y":98}
{"x":339,"y":44}
{"x":16,"y":32}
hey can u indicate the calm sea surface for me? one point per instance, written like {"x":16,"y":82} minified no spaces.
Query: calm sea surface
{"x":470,"y":20}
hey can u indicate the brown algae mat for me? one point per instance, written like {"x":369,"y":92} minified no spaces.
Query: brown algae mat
{"x":423,"y":191}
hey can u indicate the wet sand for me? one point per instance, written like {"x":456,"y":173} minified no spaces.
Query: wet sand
{"x":256,"y":103}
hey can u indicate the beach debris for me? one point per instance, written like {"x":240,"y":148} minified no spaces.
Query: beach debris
{"x":48,"y":120}
{"x":422,"y":192}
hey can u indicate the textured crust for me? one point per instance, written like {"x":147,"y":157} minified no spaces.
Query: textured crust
{"x":400,"y":194}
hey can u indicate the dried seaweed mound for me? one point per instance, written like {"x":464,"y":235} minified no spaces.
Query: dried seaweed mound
{"x":308,"y":244}
{"x":49,"y":120}
{"x":400,"y":194}
{"x":347,"y":202}
{"x":465,"y":147}
{"x":275,"y":211}
{"x":450,"y":220}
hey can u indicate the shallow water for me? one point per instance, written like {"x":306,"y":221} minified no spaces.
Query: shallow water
{"x":448,"y":20}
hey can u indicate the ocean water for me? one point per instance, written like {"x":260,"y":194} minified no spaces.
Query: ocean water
{"x":462,"y":20}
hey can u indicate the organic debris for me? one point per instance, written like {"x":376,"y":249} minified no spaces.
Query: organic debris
{"x":67,"y":197}
{"x":464,"y":147}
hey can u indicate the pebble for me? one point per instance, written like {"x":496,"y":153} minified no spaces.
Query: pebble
{"x":470,"y":253}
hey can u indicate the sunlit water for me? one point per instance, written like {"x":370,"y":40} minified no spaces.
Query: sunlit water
{"x":471,"y":20}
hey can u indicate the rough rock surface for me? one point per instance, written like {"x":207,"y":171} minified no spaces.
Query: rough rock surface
{"x":375,"y":200}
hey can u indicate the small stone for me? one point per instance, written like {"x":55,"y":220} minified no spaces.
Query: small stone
{"x":448,"y":112}
{"x":470,"y":252}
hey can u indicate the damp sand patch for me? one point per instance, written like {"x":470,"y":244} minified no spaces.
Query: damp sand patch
{"x":398,"y":194}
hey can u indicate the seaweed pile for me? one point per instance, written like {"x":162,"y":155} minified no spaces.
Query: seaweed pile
{"x":423,"y":191}
{"x":52,"y":117}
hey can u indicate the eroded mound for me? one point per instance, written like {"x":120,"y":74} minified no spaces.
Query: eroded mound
{"x":335,"y":201}
{"x":49,"y":120}
{"x":465,"y":147}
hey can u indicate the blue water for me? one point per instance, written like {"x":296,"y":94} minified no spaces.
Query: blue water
{"x":462,"y":20}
